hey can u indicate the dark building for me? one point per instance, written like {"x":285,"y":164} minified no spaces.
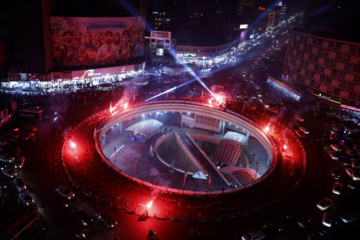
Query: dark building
{"x":31,"y":39}
{"x":323,"y":57}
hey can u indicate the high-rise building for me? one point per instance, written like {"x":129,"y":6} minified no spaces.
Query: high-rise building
{"x":31,"y":24}
{"x":323,"y":57}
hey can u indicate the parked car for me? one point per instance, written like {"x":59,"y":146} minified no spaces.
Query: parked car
{"x":19,"y":161}
{"x":345,"y":161}
{"x":299,"y":118}
{"x":354,"y":174}
{"x":20,"y":184}
{"x":107,"y":220}
{"x":349,"y":217}
{"x":333,"y":155}
{"x":327,"y":219}
{"x":305,"y":222}
{"x":9,"y":172}
{"x":337,"y":188}
{"x":324,"y":204}
{"x":299,"y":133}
{"x":6,"y":158}
{"x":354,"y":184}
{"x":355,"y":163}
{"x":254,"y":235}
{"x":304,"y":130}
{"x":335,"y":172}
{"x":65,"y":192}
{"x":82,"y":216}
{"x":335,"y":147}
{"x":26,"y":198}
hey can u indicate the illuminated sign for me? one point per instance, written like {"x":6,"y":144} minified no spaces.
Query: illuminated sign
{"x":160,"y":34}
{"x":261,"y":8}
{"x":243,"y":26}
{"x":189,"y":55}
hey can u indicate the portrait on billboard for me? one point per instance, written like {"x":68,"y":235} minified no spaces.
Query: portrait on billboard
{"x":96,"y":41}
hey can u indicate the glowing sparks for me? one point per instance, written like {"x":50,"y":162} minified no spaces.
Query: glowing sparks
{"x":72,"y":144}
{"x":267,"y":129}
{"x":148,"y":206}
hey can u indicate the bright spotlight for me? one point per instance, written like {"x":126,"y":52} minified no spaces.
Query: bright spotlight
{"x":285,"y":147}
{"x":125,"y":105}
{"x":72,"y":144}
{"x":267,"y":129}
{"x":148,"y":206}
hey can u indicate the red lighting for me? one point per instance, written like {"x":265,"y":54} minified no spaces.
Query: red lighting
{"x":261,"y":8}
{"x":148,"y":206}
{"x":267,"y":129}
{"x":72,"y":144}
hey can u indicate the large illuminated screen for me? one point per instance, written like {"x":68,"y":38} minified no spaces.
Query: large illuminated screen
{"x":96,"y":41}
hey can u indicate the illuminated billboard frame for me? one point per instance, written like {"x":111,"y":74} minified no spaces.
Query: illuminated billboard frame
{"x":79,"y":41}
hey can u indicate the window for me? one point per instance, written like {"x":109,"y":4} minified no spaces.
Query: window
{"x":320,"y":42}
{"x":322,"y":69}
{"x":328,"y":80}
{"x":353,"y":48}
{"x":352,"y":95}
{"x":322,"y":78}
{"x":331,"y":44}
{"x":339,"y":56}
{"x":347,"y":67}
{"x":342,"y":84}
{"x":351,"y":86}
{"x":327,"y":61}
{"x":314,"y":41}
{"x":338,"y":46}
{"x":334,"y":73}
{"x":311,"y":57}
{"x":333,"y":63}
{"x":356,"y":68}
{"x":316,"y":67}
{"x":312,"y":83}
{"x":337,"y":91}
{"x":342,"y":74}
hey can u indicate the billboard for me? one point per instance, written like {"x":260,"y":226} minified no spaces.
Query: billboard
{"x":160,"y":34}
{"x":79,"y":41}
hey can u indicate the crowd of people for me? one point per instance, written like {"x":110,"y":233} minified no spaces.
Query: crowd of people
{"x":88,"y":48}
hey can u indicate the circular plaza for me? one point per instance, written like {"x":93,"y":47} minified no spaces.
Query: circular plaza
{"x":181,"y":156}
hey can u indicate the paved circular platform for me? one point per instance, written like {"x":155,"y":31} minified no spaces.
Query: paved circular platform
{"x":92,"y":173}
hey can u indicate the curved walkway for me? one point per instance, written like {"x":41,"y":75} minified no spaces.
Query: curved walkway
{"x":90,"y":175}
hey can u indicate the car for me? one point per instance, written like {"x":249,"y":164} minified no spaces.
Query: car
{"x":335,"y":147}
{"x":254,"y":235}
{"x":107,"y":220}
{"x":327,"y":219}
{"x":299,"y":133}
{"x":65,"y":192}
{"x":82,"y":216}
{"x":324,"y":204}
{"x":299,"y":118}
{"x":26,"y":198}
{"x":333,"y":155}
{"x":316,"y":236}
{"x":305,"y":222}
{"x":304,"y":130}
{"x":19,"y":161}
{"x":354,"y":184}
{"x":6,"y":158}
{"x":345,"y":162}
{"x":354,"y":174}
{"x":355,"y":163}
{"x":349,"y":151}
{"x":335,"y":172}
{"x":9,"y":172}
{"x":349,"y":217}
{"x":20,"y":184}
{"x":337,"y":188}
{"x":27,"y":136}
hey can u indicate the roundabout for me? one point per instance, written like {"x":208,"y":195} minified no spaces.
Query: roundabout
{"x":179,"y":160}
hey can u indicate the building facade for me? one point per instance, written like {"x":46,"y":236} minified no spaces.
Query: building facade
{"x":325,"y":67}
